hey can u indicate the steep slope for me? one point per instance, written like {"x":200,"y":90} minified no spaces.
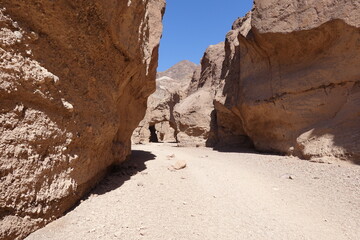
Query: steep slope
{"x":289,"y":80}
{"x":202,"y":118}
{"x":195,"y":114}
{"x":74,"y":79}
{"x":180,"y":71}
{"x":159,"y":123}
{"x":295,"y":81}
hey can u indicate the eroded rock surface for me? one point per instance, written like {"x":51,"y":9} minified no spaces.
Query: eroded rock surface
{"x":159,"y":124}
{"x":74,"y":79}
{"x":194,"y":115}
{"x":287,"y":78}
{"x":202,"y":117}
{"x":295,"y":78}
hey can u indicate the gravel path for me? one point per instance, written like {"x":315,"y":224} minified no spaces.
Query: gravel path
{"x":217,"y":196}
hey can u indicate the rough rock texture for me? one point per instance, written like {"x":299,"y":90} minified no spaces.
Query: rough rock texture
{"x":202,"y":118}
{"x":181,"y":71}
{"x":74,"y":79}
{"x":195,"y":116}
{"x":172,"y":86}
{"x":294,"y":79}
{"x":230,"y":131}
{"x":288,"y":78}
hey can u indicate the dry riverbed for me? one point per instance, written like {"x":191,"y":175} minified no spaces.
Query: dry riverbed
{"x":217,"y":195}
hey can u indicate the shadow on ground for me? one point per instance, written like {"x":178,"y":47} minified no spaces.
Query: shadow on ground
{"x":119,"y":174}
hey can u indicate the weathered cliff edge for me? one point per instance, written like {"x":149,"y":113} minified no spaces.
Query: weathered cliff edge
{"x":75,"y":77}
{"x":297,"y":86}
{"x":291,"y":79}
{"x":159,"y":123}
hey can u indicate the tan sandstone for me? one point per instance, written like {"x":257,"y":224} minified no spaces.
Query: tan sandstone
{"x":171,"y":88}
{"x":74,"y":79}
{"x":289,"y":81}
{"x":298,"y":85}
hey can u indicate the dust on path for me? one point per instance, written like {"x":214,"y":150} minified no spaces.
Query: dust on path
{"x":217,"y":196}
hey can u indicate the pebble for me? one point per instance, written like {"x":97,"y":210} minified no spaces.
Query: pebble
{"x":179,"y":165}
{"x":288,"y":176}
{"x":170,"y":156}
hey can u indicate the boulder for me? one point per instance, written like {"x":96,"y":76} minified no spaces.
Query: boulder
{"x":74,"y":80}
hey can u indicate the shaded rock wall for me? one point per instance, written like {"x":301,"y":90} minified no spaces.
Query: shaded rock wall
{"x":195,"y":115}
{"x":297,"y":80}
{"x":202,"y":118}
{"x":159,"y":113}
{"x":289,"y":82}
{"x":74,"y":79}
{"x":171,"y":88}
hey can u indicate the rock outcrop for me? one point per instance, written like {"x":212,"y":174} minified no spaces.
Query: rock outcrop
{"x":182,"y":71}
{"x":289,"y":82}
{"x":194,"y":115}
{"x":201,"y":118}
{"x":294,"y":78}
{"x":159,"y":123}
{"x":74,"y":80}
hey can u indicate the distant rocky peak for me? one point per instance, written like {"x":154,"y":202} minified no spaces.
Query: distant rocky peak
{"x":182,"y":71}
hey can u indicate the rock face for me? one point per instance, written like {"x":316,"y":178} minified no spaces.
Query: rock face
{"x":181,"y":71}
{"x":294,"y":78}
{"x":75,"y":76}
{"x":201,"y":118}
{"x":159,"y":123}
{"x":194,"y":115}
{"x":287,"y":78}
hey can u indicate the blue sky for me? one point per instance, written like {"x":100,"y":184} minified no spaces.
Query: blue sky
{"x":190,"y":26}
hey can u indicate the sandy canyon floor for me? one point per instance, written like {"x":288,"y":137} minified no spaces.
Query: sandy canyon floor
{"x":219,"y":195}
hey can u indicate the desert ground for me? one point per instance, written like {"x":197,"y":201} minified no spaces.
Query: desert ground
{"x":218,"y":195}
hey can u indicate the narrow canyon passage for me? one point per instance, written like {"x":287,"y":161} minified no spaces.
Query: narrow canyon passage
{"x":217,"y":196}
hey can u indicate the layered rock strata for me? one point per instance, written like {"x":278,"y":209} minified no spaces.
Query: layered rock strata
{"x":75,"y":77}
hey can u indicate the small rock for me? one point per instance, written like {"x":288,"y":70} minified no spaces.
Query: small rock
{"x":288,"y":176}
{"x":140,"y":184}
{"x":179,"y":165}
{"x":67,"y":105}
{"x":170,"y":156}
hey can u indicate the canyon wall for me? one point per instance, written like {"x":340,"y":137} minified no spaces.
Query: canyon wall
{"x":289,"y":82}
{"x":296,"y":89}
{"x":194,"y":115}
{"x":75,"y":77}
{"x":159,"y":124}
{"x":202,"y":117}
